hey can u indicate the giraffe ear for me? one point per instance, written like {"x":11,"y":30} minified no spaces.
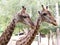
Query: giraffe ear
{"x":39,"y":12}
{"x":46,"y":7}
{"x":43,"y":7}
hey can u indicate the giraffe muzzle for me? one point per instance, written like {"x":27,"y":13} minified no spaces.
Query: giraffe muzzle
{"x":54,"y":23}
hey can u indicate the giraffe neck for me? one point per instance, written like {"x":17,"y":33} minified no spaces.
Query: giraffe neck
{"x":5,"y":37}
{"x":28,"y":39}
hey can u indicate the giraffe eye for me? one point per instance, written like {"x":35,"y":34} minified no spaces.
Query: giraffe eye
{"x":44,"y":14}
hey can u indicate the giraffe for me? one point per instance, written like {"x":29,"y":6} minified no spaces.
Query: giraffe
{"x":19,"y":17}
{"x":44,"y":15}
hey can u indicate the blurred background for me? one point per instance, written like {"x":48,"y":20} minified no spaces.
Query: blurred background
{"x":8,"y":8}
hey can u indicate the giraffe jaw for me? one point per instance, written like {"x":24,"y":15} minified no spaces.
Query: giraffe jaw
{"x":54,"y":23}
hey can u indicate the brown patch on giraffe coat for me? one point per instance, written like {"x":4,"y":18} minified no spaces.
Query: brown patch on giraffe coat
{"x":5,"y":37}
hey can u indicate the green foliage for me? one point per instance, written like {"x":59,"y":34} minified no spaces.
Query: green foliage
{"x":8,"y":8}
{"x":45,"y":28}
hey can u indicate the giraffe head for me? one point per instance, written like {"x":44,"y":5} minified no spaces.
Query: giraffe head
{"x":47,"y":16}
{"x":23,"y":17}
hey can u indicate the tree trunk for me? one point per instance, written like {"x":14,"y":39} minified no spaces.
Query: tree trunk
{"x":58,"y":36}
{"x":57,"y":19}
{"x":48,"y":38}
{"x":52,"y":38}
{"x":39,"y":38}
